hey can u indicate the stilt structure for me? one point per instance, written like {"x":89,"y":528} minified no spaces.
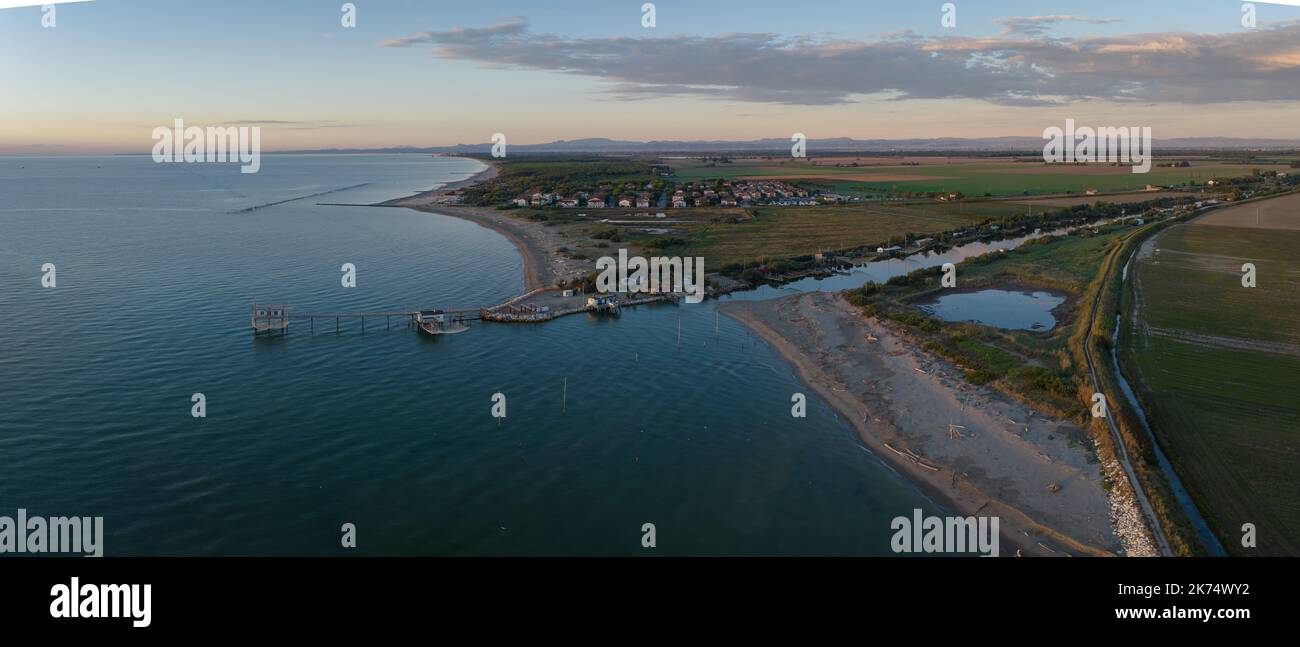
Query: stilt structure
{"x":270,"y":320}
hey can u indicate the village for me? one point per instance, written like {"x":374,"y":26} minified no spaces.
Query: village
{"x":662,"y":195}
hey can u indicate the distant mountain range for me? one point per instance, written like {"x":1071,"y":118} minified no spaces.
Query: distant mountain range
{"x":815,"y":146}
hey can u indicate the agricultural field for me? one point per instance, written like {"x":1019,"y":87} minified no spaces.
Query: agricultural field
{"x":1217,"y":365}
{"x":972,"y":179}
{"x":1280,"y":213}
{"x":1118,"y":198}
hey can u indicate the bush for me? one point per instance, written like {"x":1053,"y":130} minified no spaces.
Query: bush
{"x":1037,"y":378}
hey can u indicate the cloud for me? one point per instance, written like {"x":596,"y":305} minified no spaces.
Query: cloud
{"x":1010,"y":69}
{"x":1038,"y":25}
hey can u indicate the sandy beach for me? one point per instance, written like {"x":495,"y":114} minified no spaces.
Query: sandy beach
{"x":539,"y":245}
{"x":1002,"y":459}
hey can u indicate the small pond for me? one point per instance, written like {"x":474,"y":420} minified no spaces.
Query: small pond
{"x":1013,"y":309}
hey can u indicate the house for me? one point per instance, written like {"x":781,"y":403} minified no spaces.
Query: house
{"x":595,"y":203}
{"x":679,"y":203}
{"x":569,"y":204}
{"x":1091,"y":191}
{"x":626,"y":203}
{"x":1152,"y":187}
{"x":643,"y":203}
{"x":521,"y":202}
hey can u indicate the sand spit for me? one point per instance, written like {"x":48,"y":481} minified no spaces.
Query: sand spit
{"x":994,"y":455}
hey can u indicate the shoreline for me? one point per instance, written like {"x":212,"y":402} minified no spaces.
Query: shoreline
{"x":538,"y":246}
{"x":425,"y":197}
{"x":990,"y":470}
{"x":533,"y":246}
{"x":959,"y":483}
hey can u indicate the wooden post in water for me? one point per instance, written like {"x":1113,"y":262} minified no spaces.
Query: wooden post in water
{"x":564,"y":396}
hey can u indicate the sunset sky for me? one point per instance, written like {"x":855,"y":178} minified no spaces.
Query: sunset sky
{"x":425,"y":73}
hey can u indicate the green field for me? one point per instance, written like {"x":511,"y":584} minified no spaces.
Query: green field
{"x":777,"y":232}
{"x":972,"y":179}
{"x":1218,"y":368}
{"x":1068,"y":263}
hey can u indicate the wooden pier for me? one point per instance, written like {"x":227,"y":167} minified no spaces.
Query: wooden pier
{"x":269,"y":320}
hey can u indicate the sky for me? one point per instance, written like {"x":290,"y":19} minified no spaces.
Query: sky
{"x":440,"y":72}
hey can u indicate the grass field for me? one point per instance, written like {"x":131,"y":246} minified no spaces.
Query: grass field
{"x":1218,"y":368}
{"x":1068,"y":263}
{"x":971,"y":179}
{"x":777,"y":232}
{"x":1118,"y":198}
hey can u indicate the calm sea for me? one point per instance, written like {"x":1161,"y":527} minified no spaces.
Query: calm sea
{"x":389,"y":430}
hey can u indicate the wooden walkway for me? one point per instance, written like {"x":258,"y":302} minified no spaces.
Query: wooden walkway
{"x":277,"y":319}
{"x":269,"y":320}
{"x":407,"y":319}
